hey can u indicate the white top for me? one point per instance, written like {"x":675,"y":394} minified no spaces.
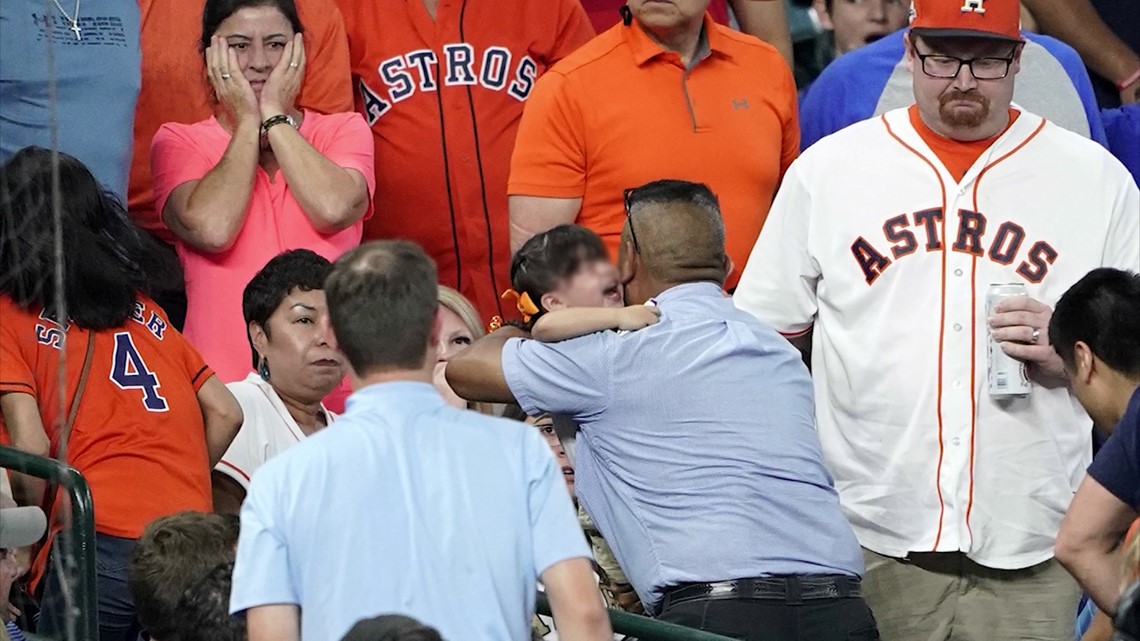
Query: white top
{"x":268,"y":429}
{"x":856,"y":243}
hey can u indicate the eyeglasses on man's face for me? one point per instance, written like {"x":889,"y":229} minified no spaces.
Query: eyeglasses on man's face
{"x":984,"y":68}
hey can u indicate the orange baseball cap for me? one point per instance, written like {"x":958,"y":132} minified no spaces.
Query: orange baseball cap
{"x":999,"y":19}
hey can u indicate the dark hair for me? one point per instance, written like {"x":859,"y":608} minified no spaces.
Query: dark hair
{"x":383,"y":297}
{"x":216,"y":12}
{"x":391,"y":627}
{"x":174,"y":554}
{"x":301,"y":269}
{"x":203,"y":612}
{"x":107,"y":260}
{"x":1101,"y":310}
{"x":551,"y":257}
{"x":684,"y":239}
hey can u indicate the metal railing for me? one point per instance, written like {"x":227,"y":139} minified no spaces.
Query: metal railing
{"x":77,"y":542}
{"x":643,"y":628}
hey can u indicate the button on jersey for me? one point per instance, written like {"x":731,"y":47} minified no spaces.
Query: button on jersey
{"x":873,"y":241}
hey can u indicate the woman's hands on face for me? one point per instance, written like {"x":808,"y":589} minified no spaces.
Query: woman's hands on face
{"x":230,"y":86}
{"x":284,"y":83}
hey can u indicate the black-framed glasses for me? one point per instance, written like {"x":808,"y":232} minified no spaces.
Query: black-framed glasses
{"x":986,"y":68}
{"x":627,"y":197}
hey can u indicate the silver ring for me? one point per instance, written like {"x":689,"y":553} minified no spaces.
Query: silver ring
{"x":293,"y":65}
{"x":1036,"y":335}
{"x":225,"y":76}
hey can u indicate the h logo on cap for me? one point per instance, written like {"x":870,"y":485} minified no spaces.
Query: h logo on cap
{"x":973,"y":5}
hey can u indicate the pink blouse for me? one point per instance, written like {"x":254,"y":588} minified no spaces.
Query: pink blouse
{"x":274,"y":223}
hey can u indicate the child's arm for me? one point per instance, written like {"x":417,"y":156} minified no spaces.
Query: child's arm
{"x":565,"y":324}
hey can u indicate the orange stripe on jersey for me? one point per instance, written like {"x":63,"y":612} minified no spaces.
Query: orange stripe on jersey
{"x":974,"y":322}
{"x":941,"y":327}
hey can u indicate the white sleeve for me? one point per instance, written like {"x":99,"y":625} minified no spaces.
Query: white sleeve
{"x":243,"y":457}
{"x":779,"y":284}
{"x":1122,"y":247}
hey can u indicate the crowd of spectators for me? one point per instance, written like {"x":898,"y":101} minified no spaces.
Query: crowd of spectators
{"x":670,"y":306}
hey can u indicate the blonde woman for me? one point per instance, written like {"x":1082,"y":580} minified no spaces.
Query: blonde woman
{"x":460,"y":326}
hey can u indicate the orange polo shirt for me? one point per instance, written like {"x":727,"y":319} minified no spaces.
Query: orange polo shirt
{"x":621,"y":111}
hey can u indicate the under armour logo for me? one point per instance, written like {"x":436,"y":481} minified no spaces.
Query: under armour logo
{"x":741,"y":104}
{"x":973,"y":5}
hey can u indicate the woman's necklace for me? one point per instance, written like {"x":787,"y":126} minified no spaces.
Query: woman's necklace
{"x":73,"y":20}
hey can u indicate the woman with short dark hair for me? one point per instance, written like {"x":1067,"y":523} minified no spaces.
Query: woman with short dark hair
{"x":91,"y":371}
{"x":260,"y":177}
{"x":296,"y":365}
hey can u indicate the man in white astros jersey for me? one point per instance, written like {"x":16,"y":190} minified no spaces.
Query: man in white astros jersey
{"x":882,"y":243}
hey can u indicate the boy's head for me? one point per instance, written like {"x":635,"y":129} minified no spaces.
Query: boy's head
{"x":1095,"y":329}
{"x":566,"y":267}
{"x":177,"y":554}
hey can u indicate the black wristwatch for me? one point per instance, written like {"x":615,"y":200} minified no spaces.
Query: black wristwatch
{"x":276,"y":120}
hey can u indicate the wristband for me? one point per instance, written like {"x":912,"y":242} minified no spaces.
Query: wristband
{"x":1129,"y":81}
{"x":273,"y":121}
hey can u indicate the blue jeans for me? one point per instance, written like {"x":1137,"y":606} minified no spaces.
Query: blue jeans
{"x":117,"y":621}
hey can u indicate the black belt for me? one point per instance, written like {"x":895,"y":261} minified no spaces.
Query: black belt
{"x":790,"y":589}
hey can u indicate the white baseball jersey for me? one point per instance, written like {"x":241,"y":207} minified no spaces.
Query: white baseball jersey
{"x":268,"y":429}
{"x":873,"y":241}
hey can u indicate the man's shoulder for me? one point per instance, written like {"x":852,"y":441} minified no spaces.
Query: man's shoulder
{"x":597,"y":54}
{"x":755,"y":49}
{"x":862,"y":137}
{"x":1078,"y":152}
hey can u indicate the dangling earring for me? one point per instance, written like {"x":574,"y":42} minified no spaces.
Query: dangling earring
{"x":263,"y":369}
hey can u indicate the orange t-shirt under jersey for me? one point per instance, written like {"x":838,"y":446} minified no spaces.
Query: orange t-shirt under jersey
{"x":174,"y":87}
{"x":956,"y":156}
{"x":139,"y":438}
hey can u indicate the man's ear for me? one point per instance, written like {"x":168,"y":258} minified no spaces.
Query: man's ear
{"x":1084,"y":362}
{"x":908,"y":48}
{"x":627,"y":262}
{"x":821,"y":13}
{"x":729,"y":267}
{"x":433,"y":336}
{"x":1016,"y":67}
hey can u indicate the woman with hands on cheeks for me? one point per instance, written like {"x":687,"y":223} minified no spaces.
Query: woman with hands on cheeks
{"x":259,"y":177}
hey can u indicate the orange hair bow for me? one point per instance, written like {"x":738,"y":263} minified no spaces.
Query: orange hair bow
{"x":523,"y":303}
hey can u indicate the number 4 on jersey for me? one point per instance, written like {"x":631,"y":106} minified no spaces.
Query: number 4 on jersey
{"x":129,"y":371}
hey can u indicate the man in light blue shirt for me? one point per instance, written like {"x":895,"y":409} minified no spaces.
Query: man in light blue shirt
{"x":697,"y":458}
{"x":408,"y":506}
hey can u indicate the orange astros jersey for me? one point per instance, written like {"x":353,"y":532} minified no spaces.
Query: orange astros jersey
{"x":138,"y":437}
{"x":444,"y":98}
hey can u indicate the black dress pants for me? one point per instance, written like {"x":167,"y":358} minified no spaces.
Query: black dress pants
{"x":838,"y":619}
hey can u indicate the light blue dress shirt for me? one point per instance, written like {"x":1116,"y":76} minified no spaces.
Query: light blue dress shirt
{"x":407,"y":506}
{"x":698,"y":457}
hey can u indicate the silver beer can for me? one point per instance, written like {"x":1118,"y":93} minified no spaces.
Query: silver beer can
{"x":1007,"y":376}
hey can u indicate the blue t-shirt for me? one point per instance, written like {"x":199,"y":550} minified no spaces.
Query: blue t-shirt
{"x":1117,"y":464}
{"x":873,"y":80}
{"x":97,"y":80}
{"x":407,"y":506}
{"x":697,"y":458}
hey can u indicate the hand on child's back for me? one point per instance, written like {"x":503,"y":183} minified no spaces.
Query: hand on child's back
{"x":637,"y":317}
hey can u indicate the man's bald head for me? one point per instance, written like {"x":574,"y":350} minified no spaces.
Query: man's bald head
{"x":677,"y":232}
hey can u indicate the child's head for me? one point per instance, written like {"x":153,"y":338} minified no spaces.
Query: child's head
{"x":566,"y":267}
